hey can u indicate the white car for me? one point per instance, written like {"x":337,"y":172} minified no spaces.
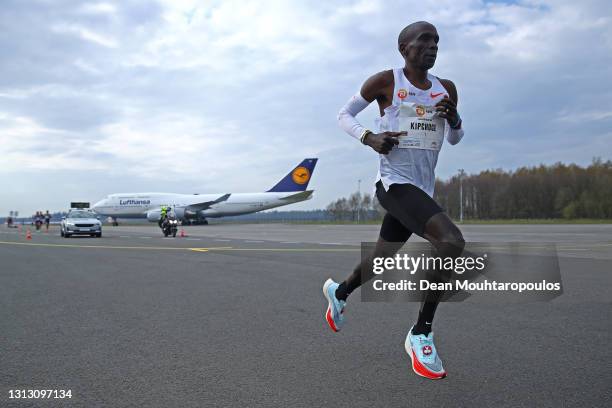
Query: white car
{"x":80,"y":222}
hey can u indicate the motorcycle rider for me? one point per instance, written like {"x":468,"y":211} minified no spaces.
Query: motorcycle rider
{"x":162,"y":216}
{"x":169,"y":223}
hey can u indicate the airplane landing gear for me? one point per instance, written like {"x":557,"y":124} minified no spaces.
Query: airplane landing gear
{"x":197,"y":221}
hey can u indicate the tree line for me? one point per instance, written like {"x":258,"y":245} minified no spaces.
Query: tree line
{"x":356,"y":207}
{"x":553,"y":191}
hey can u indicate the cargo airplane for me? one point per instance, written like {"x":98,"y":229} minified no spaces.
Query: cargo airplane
{"x":197,"y":207}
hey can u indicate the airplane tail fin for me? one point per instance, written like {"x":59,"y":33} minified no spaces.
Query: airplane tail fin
{"x":297,"y":179}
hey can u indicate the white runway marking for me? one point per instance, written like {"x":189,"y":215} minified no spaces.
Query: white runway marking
{"x":258,"y":242}
{"x":223,"y":240}
{"x":193,"y":239}
{"x":145,"y":237}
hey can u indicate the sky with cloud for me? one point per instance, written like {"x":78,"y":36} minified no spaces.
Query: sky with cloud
{"x":227,"y":96}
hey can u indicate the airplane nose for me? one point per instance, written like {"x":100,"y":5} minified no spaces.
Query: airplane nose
{"x":98,"y":204}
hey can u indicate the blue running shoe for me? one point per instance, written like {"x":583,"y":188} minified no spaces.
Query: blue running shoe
{"x":422,"y":352}
{"x":334,"y":316}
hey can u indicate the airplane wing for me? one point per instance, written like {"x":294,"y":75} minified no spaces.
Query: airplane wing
{"x":207,"y":204}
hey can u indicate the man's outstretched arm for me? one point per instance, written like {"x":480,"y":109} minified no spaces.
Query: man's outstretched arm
{"x":371,"y":90}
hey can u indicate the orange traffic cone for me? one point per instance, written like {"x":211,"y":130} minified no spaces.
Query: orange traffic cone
{"x":28,"y":234}
{"x":183,"y":235}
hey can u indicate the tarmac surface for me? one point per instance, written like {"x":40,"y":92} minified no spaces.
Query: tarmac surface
{"x":232,"y":316}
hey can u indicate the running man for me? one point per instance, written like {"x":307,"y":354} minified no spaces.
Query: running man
{"x":406,"y":177}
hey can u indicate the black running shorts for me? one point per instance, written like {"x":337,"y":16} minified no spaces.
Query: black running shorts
{"x":408,"y":210}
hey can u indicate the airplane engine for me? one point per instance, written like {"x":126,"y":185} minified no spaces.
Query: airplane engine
{"x":183,"y":214}
{"x":154,"y":215}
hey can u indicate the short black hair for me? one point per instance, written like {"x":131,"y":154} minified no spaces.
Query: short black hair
{"x":408,"y":31}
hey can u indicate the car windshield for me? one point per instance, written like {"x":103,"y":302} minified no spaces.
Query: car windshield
{"x":80,"y":214}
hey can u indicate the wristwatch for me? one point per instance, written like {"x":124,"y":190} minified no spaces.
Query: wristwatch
{"x":458,"y":125}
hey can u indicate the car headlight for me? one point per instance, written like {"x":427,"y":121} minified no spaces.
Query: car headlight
{"x":70,"y":224}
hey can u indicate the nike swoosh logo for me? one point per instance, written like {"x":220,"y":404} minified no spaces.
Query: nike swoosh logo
{"x":433,"y":95}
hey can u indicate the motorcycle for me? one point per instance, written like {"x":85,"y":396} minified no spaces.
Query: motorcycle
{"x":169,"y":226}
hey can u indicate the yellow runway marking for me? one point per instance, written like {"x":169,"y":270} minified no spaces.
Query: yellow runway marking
{"x":108,"y":246}
{"x":205,"y":249}
{"x":228,"y":248}
{"x":208,"y":249}
{"x":291,"y":249}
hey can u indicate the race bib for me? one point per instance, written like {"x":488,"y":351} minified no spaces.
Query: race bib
{"x":424,"y":128}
